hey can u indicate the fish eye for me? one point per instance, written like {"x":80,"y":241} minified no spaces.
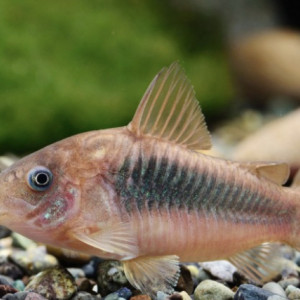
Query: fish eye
{"x":39,"y":178}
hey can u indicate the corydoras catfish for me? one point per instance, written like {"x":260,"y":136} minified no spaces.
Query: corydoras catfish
{"x":145,"y":195}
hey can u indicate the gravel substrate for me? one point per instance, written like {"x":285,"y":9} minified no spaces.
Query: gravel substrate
{"x":32,"y":271}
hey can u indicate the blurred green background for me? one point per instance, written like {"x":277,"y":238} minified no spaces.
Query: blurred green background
{"x":72,"y":66}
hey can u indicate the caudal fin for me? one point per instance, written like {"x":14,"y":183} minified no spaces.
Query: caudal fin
{"x":296,"y":181}
{"x":294,"y":240}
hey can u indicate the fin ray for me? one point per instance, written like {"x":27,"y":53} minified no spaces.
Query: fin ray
{"x":276,"y":172}
{"x":152,"y":274}
{"x":116,"y":239}
{"x":296,"y":181}
{"x":257,"y":264}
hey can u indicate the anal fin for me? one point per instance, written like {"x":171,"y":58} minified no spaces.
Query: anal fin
{"x":151,"y":274}
{"x":258,"y":264}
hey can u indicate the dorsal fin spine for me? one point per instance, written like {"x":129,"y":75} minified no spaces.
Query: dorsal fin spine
{"x":179,"y":118}
{"x":178,"y":97}
{"x":162,"y":109}
{"x":153,"y":102}
{"x":191,"y":133}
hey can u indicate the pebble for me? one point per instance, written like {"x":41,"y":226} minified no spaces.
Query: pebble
{"x":19,"y":285}
{"x":4,"y":232}
{"x":178,"y":296}
{"x":212,"y":290}
{"x":34,"y":260}
{"x":292,"y":292}
{"x":284,"y":283}
{"x":185,"y":281}
{"x":124,"y":293}
{"x":198,"y":274}
{"x":297,"y":258}
{"x":5,"y":280}
{"x":175,"y":296}
{"x":274,"y":288}
{"x":121,"y":294}
{"x":90,"y":269}
{"x":6,"y":289}
{"x":16,"y":296}
{"x":113,"y":296}
{"x":195,"y":271}
{"x":110,"y":277}
{"x":34,"y":296}
{"x":221,"y":269}
{"x":76,"y":272}
{"x":23,"y":296}
{"x":11,"y":270}
{"x":85,"y":296}
{"x":6,"y":243}
{"x":5,"y":253}
{"x":53,"y":283}
{"x":140,"y":297}
{"x":288,"y":267}
{"x":252,"y":292}
{"x":161,"y":296}
{"x":287,"y":252}
{"x":185,"y":295}
{"x":23,"y":242}
{"x":85,"y":285}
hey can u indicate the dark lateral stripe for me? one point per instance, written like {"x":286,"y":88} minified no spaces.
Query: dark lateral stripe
{"x":195,"y":199}
{"x":148,"y":185}
{"x":158,"y":183}
{"x":121,"y":184}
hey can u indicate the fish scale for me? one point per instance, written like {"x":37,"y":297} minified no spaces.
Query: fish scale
{"x":145,"y":195}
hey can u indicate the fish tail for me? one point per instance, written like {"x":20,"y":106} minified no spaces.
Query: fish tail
{"x":296,"y":181}
{"x":295,"y":233}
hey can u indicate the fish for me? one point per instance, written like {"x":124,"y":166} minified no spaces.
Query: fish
{"x":145,"y":195}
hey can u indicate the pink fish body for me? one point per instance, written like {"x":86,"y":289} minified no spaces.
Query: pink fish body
{"x":143,"y":194}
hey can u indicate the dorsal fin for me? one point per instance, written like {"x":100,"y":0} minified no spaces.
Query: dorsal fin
{"x":170,"y":111}
{"x":275,"y":172}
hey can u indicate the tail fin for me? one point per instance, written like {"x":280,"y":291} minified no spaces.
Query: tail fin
{"x":296,"y":181}
{"x":294,"y":240}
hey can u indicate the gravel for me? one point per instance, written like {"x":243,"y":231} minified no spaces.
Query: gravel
{"x":30,"y":271}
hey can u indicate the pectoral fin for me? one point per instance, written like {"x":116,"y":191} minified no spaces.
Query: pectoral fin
{"x":116,"y":239}
{"x":153,"y":274}
{"x":258,"y":264}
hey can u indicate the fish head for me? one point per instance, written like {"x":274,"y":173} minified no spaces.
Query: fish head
{"x":39,"y":192}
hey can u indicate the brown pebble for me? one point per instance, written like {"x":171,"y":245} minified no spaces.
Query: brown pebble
{"x":11,"y":270}
{"x":185,"y":281}
{"x":6,"y":289}
{"x":84,"y":284}
{"x":140,"y":297}
{"x":175,"y":296}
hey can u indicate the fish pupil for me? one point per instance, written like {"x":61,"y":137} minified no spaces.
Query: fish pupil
{"x":41,"y":179}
